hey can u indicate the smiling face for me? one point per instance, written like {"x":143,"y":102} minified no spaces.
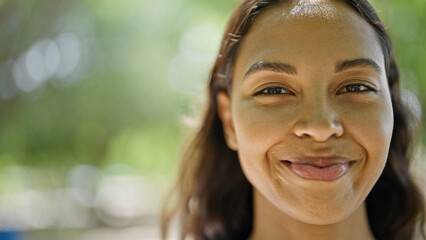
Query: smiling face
{"x":310,"y":112}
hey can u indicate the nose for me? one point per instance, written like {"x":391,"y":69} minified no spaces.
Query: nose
{"x":319,"y":121}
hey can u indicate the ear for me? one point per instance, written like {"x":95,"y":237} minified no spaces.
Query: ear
{"x":224,"y":110}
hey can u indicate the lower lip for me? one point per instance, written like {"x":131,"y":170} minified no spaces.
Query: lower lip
{"x":312,"y":172}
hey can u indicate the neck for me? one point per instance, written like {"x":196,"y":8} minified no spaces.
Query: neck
{"x":271,"y":223}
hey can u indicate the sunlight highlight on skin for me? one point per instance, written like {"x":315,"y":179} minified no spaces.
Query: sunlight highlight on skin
{"x":311,"y":9}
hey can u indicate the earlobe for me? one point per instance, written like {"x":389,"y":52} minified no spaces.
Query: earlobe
{"x":224,"y":110}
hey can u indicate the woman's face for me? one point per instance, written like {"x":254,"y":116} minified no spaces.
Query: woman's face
{"x":310,"y":112}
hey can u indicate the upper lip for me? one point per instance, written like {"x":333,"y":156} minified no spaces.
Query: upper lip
{"x":319,"y":161}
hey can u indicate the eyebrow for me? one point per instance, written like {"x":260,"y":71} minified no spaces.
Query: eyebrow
{"x":356,"y":63}
{"x":271,"y":66}
{"x":291,"y":70}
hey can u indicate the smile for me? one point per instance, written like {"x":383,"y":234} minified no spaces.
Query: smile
{"x":319,"y":169}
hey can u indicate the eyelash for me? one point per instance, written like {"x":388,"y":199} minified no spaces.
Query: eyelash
{"x":275,"y":91}
{"x":367,"y":88}
{"x":281,"y":90}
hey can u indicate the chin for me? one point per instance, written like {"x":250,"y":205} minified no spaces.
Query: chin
{"x":324,"y":219}
{"x":324,"y":214}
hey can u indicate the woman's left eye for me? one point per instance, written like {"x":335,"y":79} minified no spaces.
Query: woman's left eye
{"x":355,"y":88}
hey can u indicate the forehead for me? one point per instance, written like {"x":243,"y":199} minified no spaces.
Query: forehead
{"x":310,"y":9}
{"x":296,"y":29}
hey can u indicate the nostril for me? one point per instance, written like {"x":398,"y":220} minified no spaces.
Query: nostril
{"x":319,"y":123}
{"x":319,"y":132}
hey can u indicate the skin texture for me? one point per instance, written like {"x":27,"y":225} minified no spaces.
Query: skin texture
{"x":314,"y":112}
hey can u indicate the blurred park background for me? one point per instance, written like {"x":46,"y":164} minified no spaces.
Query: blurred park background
{"x":93,"y":96}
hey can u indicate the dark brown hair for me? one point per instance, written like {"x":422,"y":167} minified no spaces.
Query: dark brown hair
{"x":214,"y":199}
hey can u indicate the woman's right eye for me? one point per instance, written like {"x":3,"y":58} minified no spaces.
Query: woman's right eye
{"x":274,"y":91}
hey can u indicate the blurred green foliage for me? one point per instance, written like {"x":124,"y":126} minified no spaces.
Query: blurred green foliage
{"x":121,"y":104}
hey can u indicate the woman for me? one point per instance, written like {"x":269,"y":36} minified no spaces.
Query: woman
{"x":306,"y":135}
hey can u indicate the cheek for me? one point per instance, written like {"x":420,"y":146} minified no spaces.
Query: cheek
{"x":370,"y":125}
{"x":257,"y":130}
{"x":258,"y":127}
{"x":371,"y":128}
